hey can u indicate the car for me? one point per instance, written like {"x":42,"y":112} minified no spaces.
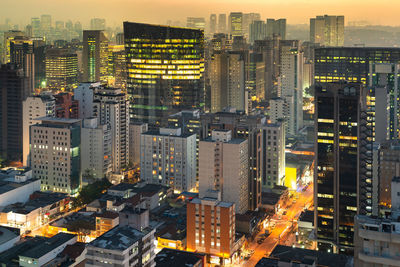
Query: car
{"x":260,"y":241}
{"x":284,"y":213}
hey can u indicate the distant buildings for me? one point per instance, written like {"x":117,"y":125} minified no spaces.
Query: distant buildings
{"x":327,"y":30}
{"x":236,"y":23}
{"x":223,"y":166}
{"x":165,"y":86}
{"x":95,"y":57}
{"x":123,"y":245}
{"x":276,"y":27}
{"x":196,"y":23}
{"x":56,"y":155}
{"x":168,"y":157}
{"x":97,"y":24}
{"x":222,"y":23}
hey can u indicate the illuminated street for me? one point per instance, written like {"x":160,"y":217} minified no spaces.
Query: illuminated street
{"x":282,"y":233}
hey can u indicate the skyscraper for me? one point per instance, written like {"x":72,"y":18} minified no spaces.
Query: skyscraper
{"x":97,"y":24}
{"x":8,"y":37}
{"x":61,"y":69}
{"x":45,"y":25}
{"x":236,"y":23}
{"x":277,"y":27}
{"x":95,"y":56}
{"x":35,"y":23}
{"x":338,"y":120}
{"x":196,"y":23}
{"x":165,"y":68}
{"x":327,"y":30}
{"x":257,"y":30}
{"x":213,"y":23}
{"x":13,"y":91}
{"x":222,"y":23}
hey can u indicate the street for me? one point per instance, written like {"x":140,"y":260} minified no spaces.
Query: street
{"x":282,"y":233}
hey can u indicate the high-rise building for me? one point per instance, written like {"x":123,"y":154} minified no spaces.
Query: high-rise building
{"x":45,"y":25}
{"x":21,"y":54}
{"x":247,"y":20}
{"x":276,"y":27}
{"x":96,"y":149}
{"x":374,"y":68}
{"x":223,"y":166}
{"x":8,"y":37}
{"x":196,"y":23}
{"x":56,"y":154}
{"x":61,"y":69}
{"x":117,"y":66}
{"x":213,"y":24}
{"x":13,"y":91}
{"x":135,"y":131}
{"x":222,"y":23}
{"x":272,"y":154}
{"x":36,"y":29}
{"x":32,"y":108}
{"x":163,"y":81}
{"x":111,"y":107}
{"x":236,"y":23}
{"x":95,"y":57}
{"x":84,"y":94}
{"x":227,"y":81}
{"x":97,"y":24}
{"x":338,"y":121}
{"x":291,"y":85}
{"x":66,"y":107}
{"x":257,"y":30}
{"x":211,"y":227}
{"x":327,"y":30}
{"x":279,"y":110}
{"x":168,"y":157}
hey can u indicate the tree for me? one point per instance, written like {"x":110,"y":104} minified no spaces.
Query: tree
{"x":91,"y":192}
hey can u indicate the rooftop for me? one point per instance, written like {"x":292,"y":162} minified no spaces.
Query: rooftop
{"x":119,"y":238}
{"x":171,"y":257}
{"x":47,"y":245}
{"x":307,"y":216}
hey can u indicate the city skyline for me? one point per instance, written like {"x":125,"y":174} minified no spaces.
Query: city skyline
{"x":143,"y":10}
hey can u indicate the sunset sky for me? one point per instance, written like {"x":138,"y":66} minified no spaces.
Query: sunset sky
{"x":384,"y":12}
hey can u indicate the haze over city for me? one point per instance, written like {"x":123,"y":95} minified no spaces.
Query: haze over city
{"x":159,"y":11}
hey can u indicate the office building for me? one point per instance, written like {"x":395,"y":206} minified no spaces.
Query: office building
{"x":339,"y":118}
{"x":96,"y":149}
{"x":135,"y":131}
{"x":97,"y":24}
{"x":247,"y":20}
{"x":56,"y":154}
{"x":211,"y":228}
{"x":111,"y":107}
{"x":61,"y":69}
{"x":36,"y":31}
{"x":7,"y":38}
{"x":45,"y":25}
{"x":222,"y":23}
{"x":236,"y":24}
{"x":372,"y":67}
{"x":117,"y":66}
{"x":227,"y":81}
{"x":327,"y":30}
{"x":213,"y":24}
{"x":124,"y":246}
{"x":223,"y":166}
{"x":32,"y":108}
{"x":196,"y":23}
{"x":168,"y":157}
{"x":257,"y":30}
{"x":276,"y":27}
{"x":158,"y":87}
{"x":13,"y":91}
{"x":95,"y":57}
{"x":291,"y":85}
{"x":272,"y":154}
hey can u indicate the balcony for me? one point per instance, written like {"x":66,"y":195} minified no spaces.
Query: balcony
{"x":380,"y":260}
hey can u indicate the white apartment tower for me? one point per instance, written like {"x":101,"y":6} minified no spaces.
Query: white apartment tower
{"x":135,"y":131}
{"x":168,"y":157}
{"x":223,"y":166}
{"x":96,"y":148}
{"x":32,"y":108}
{"x":111,"y":107}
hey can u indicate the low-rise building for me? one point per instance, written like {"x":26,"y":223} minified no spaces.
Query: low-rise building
{"x":122,"y":246}
{"x":172,"y":257}
{"x":8,"y":237}
{"x":305,"y":230}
